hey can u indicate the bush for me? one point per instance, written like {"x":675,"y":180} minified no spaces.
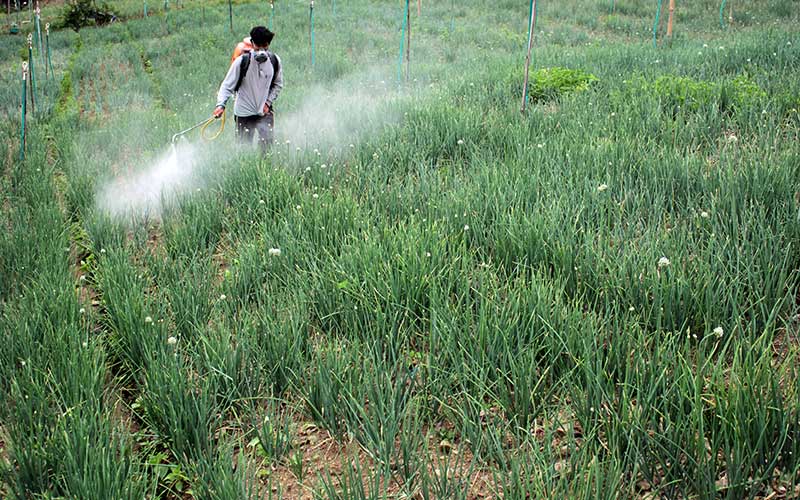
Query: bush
{"x":682,"y":93}
{"x":550,"y":83}
{"x":82,"y":13}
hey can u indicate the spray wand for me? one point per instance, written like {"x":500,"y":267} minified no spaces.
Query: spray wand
{"x":203,"y":126}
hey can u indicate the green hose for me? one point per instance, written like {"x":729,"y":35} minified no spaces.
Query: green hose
{"x":24,"y":112}
{"x":402,"y":45}
{"x":655,"y":25}
{"x":722,"y":15}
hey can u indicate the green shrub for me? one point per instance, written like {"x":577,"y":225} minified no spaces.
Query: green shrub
{"x":678,"y":93}
{"x":548,"y":84}
{"x":82,"y":13}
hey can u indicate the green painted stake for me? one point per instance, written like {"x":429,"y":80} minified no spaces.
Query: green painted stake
{"x":402,"y":44}
{"x":334,"y":8}
{"x":311,"y":30}
{"x":230,"y":14}
{"x":655,"y":25}
{"x":452,"y":17}
{"x":271,"y":12}
{"x":528,"y":57}
{"x":47,"y":44}
{"x":24,"y":111}
{"x":30,"y":68}
{"x":612,"y":7}
{"x":722,"y":15}
{"x":408,"y":39}
{"x":38,"y":28}
{"x":47,"y":65}
{"x":145,"y":8}
{"x":166,"y":14}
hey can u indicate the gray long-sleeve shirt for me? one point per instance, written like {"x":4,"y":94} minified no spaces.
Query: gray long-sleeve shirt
{"x":255,"y":90}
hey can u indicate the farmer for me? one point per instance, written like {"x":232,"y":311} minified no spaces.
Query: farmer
{"x":257,"y":78}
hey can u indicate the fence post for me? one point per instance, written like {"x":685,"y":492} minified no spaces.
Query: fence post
{"x":311,"y":31}
{"x":531,"y":33}
{"x":32,"y":74}
{"x":24,"y":111}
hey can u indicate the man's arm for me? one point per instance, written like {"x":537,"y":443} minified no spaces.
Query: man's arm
{"x":228,"y":85}
{"x":277,"y":84}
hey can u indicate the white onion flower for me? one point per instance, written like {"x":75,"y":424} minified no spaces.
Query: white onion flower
{"x":663,"y":262}
{"x":602,"y":187}
{"x":274,"y":252}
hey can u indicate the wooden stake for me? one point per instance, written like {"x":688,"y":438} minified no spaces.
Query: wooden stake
{"x":419,"y":8}
{"x":669,"y":21}
{"x":528,"y":57}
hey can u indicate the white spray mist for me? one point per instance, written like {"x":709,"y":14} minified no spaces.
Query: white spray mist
{"x":330,"y":117}
{"x":339,"y":113}
{"x":144,"y":192}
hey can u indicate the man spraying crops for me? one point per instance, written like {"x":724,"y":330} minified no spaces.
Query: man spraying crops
{"x":257,"y":78}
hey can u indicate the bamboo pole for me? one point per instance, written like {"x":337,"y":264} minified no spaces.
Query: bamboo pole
{"x":531,"y":24}
{"x":669,"y":20}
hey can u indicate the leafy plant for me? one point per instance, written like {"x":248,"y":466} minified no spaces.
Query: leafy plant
{"x":548,"y":84}
{"x":82,"y":13}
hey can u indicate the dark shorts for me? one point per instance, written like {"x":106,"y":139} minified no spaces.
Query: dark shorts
{"x":246,"y":126}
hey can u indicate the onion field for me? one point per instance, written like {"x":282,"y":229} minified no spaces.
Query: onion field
{"x":420,"y":292}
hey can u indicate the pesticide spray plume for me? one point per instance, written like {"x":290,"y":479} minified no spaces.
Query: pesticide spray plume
{"x":145,"y":193}
{"x":327,"y":117}
{"x":341,"y":113}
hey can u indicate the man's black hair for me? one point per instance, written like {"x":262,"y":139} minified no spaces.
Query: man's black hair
{"x":261,"y":36}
